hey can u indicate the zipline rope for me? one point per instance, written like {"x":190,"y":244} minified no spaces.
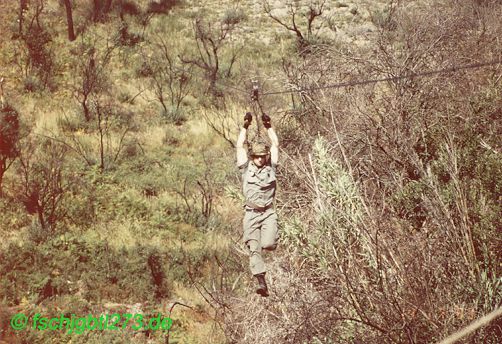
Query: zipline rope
{"x":374,"y":81}
{"x":393,"y":78}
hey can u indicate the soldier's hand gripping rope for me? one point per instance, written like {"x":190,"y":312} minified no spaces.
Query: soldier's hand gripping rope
{"x":248,"y":118}
{"x":266,"y":121}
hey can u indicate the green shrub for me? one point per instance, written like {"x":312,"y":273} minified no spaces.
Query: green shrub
{"x":142,"y":173}
{"x":127,"y":38}
{"x":174,"y":115}
{"x":409,"y":203}
{"x":12,"y":216}
{"x":144,"y":70}
{"x":72,"y":124}
{"x":32,"y":84}
{"x":130,"y":150}
{"x":114,"y":202}
{"x":124,"y":97}
{"x":9,"y":138}
{"x":233,"y":16}
{"x":339,"y":4}
{"x":67,"y":264}
{"x":41,"y":57}
{"x":340,"y":215}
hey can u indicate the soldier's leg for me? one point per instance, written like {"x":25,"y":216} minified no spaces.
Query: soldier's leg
{"x":252,"y":239}
{"x":256,"y":263}
{"x":269,"y":231}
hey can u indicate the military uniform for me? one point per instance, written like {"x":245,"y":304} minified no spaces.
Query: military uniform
{"x":260,"y":219}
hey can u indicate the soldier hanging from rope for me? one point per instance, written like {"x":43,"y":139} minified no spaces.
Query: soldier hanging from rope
{"x":259,"y":185}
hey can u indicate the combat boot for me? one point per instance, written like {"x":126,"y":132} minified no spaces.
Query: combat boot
{"x":262,"y":285}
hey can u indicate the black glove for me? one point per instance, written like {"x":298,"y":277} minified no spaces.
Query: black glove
{"x":266,"y":121}
{"x":247,"y":120}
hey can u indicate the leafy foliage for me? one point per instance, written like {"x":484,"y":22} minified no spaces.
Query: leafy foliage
{"x":66,"y":264}
{"x":389,"y":199}
{"x":9,"y":138}
{"x":9,"y":132}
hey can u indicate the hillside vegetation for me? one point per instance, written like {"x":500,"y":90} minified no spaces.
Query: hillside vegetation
{"x":119,"y":191}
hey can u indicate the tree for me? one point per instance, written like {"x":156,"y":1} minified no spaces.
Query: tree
{"x":314,"y":10}
{"x":44,"y":180}
{"x":93,"y":77}
{"x":35,"y":56}
{"x":170,"y":79}
{"x":93,"y":90}
{"x":23,"y":7}
{"x":69,"y":19}
{"x":107,"y":122}
{"x":210,"y":43}
{"x":9,"y":138}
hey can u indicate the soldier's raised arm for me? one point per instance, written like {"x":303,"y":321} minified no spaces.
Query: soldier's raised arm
{"x":242,"y":156}
{"x":274,"y":140}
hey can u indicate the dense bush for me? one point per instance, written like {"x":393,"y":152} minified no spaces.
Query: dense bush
{"x":389,"y":199}
{"x":9,"y":138}
{"x":394,"y":225}
{"x":69,"y":264}
{"x":41,"y":58}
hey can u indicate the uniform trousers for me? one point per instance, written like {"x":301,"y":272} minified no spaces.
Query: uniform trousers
{"x":260,"y":233}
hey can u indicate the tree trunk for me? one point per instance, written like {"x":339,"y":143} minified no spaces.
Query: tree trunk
{"x":40,"y":213}
{"x":96,"y":11}
{"x":101,"y":141}
{"x":87,"y":113}
{"x":69,"y":19}
{"x":23,"y":6}
{"x":2,"y":171}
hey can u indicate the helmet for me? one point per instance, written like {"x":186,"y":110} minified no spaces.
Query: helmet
{"x":259,"y":149}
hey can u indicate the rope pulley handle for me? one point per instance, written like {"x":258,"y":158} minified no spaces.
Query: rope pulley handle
{"x":255,"y":100}
{"x":256,"y":90}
